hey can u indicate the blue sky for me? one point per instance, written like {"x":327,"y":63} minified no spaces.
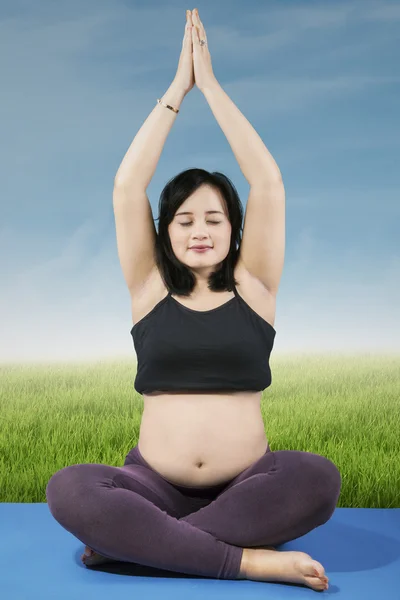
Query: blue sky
{"x":319,"y":81}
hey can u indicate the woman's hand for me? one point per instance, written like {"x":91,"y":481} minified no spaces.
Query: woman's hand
{"x":195,"y":60}
{"x":184,"y":77}
{"x":203,"y":72}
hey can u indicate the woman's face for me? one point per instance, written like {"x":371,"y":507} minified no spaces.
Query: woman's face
{"x":201,"y":228}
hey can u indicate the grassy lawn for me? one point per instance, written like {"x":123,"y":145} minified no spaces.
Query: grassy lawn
{"x":345,"y":408}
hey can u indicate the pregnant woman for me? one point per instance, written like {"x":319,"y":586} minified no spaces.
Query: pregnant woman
{"x":204,"y":495}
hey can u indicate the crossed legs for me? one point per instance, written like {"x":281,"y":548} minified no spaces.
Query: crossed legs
{"x":133,"y":514}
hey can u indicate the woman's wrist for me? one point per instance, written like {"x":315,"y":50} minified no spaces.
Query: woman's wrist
{"x":174,"y":95}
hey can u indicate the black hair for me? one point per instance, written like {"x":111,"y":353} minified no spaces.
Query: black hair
{"x":178,"y":278}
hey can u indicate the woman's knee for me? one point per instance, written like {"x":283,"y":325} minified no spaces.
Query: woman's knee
{"x":327,"y":481}
{"x":64,"y":489}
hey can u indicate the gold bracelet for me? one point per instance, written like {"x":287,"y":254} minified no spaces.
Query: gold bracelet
{"x":167,"y":105}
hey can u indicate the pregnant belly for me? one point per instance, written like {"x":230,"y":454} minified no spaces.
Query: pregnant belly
{"x":202,"y":440}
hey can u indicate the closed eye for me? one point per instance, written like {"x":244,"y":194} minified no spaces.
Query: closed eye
{"x":215,"y":222}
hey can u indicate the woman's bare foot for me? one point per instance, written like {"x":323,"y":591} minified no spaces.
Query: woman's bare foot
{"x":292,"y":567}
{"x":93,"y":558}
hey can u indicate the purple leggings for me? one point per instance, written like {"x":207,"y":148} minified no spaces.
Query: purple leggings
{"x":133,"y":514}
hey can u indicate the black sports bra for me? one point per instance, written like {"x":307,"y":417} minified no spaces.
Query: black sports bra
{"x":222,"y":349}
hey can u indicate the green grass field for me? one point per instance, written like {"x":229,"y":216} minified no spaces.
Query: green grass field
{"x":345,"y":408}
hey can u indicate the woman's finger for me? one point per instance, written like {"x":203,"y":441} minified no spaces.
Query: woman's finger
{"x":188,"y":35}
{"x":202,"y":31}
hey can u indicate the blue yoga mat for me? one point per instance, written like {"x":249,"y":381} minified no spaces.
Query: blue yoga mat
{"x":359,"y":549}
